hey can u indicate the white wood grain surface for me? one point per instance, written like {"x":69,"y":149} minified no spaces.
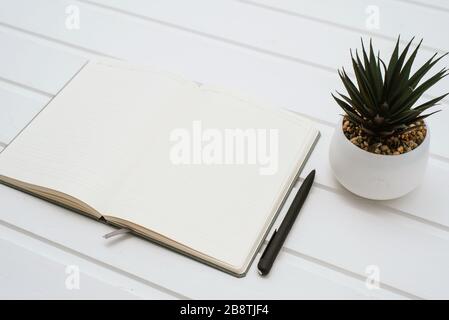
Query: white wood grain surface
{"x":285,"y":52}
{"x":438,"y":5}
{"x":28,"y":262}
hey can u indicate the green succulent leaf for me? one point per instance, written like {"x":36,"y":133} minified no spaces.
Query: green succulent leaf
{"x":392,"y":64}
{"x":396,"y":73}
{"x":363,"y":82}
{"x":349,"y":111}
{"x":377,"y":72}
{"x":381,"y":99}
{"x":359,"y":100}
{"x":416,"y":78}
{"x":413,"y":97}
{"x":402,"y":83}
{"x":430,"y":103}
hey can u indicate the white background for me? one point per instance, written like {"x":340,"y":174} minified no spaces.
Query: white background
{"x":283,"y":51}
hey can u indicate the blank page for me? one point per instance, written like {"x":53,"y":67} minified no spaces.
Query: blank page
{"x":221,"y":210}
{"x":87,"y":138}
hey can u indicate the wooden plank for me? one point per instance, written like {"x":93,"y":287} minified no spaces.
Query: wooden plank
{"x":19,"y":281}
{"x":53,"y":67}
{"x":280,"y":81}
{"x":435,"y":4}
{"x":378,"y":18}
{"x":293,"y":277}
{"x":16,"y":111}
{"x":430,"y":200}
{"x":353,"y":234}
{"x":267,"y":30}
{"x":53,"y":266}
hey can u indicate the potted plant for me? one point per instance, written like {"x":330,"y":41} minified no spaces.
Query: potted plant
{"x":380,"y":148}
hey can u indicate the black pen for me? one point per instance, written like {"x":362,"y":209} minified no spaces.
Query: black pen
{"x":277,"y":239}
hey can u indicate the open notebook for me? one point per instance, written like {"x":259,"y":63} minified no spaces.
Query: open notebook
{"x":198,"y":169}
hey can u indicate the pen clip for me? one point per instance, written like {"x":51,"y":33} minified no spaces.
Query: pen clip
{"x":268,"y":244}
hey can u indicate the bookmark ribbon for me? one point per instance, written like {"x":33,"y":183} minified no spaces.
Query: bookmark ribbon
{"x":115,"y":233}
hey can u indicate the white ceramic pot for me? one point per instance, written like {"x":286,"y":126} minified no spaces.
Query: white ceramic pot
{"x":374,"y":176}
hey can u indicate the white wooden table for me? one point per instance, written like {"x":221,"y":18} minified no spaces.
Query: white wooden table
{"x":283,"y":51}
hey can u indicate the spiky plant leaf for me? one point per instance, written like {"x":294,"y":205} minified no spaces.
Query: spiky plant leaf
{"x":382,"y":98}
